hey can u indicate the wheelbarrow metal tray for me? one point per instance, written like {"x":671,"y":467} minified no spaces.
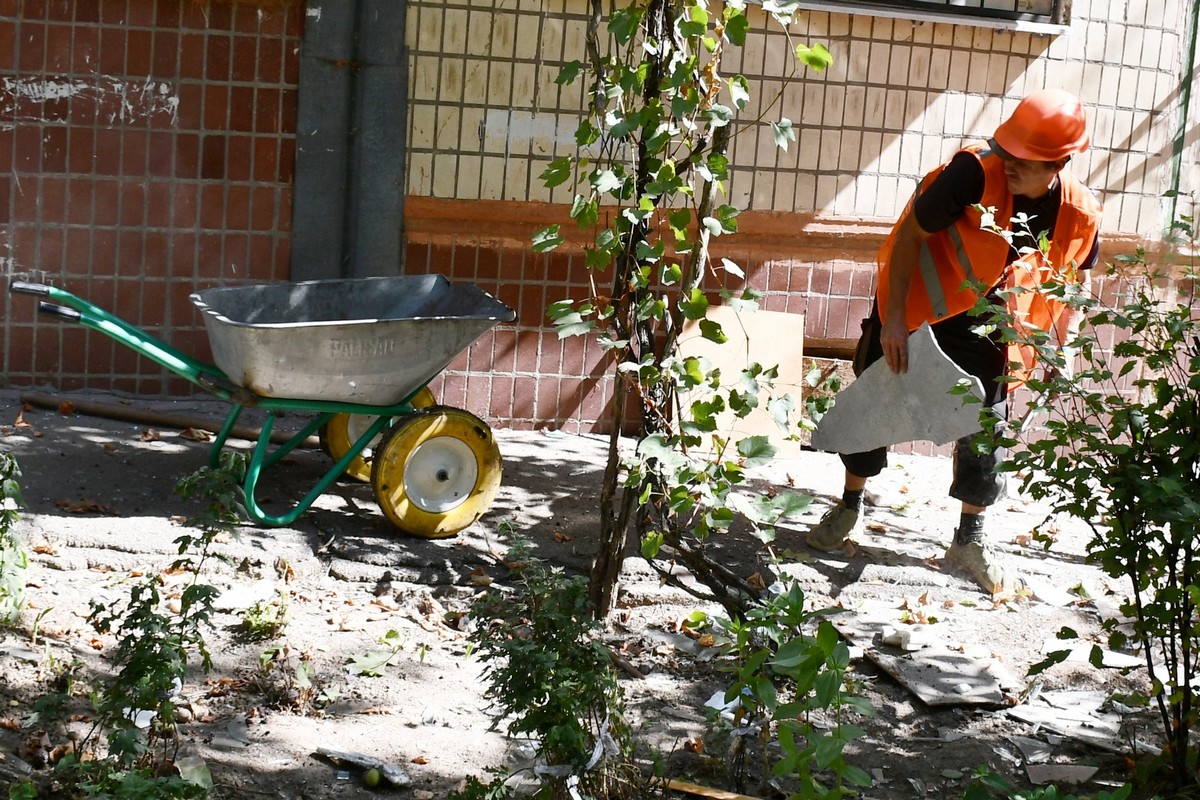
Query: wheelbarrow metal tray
{"x":372,"y":341}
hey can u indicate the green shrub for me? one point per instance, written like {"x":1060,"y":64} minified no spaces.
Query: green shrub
{"x":552,"y":679}
{"x":1119,"y":449}
{"x":14,"y":560}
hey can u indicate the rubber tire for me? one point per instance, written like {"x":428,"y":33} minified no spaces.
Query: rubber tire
{"x":337,"y":438}
{"x":432,"y":450}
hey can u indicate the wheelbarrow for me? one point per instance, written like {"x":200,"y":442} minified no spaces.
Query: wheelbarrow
{"x":359,"y":354}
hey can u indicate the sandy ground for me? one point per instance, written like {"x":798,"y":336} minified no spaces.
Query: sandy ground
{"x":100,"y":507}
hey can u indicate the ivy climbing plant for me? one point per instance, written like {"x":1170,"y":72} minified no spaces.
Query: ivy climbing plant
{"x":649,"y":179}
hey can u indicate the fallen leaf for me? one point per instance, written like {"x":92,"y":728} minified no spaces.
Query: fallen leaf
{"x":20,"y":422}
{"x":369,"y":664}
{"x":695,"y":745}
{"x":150,"y":435}
{"x":420,"y":760}
{"x":45,"y":549}
{"x":195,"y":434}
{"x":479,"y":577}
{"x":283,"y":568}
{"x":66,"y":408}
{"x":559,"y":536}
{"x":86,"y":507}
{"x":756,"y":580}
{"x":707,"y":640}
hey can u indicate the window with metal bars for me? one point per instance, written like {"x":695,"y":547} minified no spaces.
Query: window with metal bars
{"x":1046,"y":16}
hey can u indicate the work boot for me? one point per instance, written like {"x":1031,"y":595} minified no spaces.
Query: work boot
{"x":834,"y":528}
{"x":979,"y":561}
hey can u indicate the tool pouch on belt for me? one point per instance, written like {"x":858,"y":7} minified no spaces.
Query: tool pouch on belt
{"x":868,"y":350}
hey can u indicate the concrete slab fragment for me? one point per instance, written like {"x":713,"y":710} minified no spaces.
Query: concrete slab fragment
{"x":1060,"y":774}
{"x":936,"y":674}
{"x":1076,"y":715}
{"x":1035,"y":751}
{"x":1082,"y":652}
{"x":1048,"y":592}
{"x":882,"y":408}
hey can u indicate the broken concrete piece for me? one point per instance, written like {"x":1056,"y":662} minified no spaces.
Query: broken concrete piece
{"x":910,"y":638}
{"x":936,"y":674}
{"x":21,"y":652}
{"x":390,"y":773}
{"x":882,"y":408}
{"x":1078,"y":716}
{"x":1059,"y":774}
{"x":1082,"y":652}
{"x":242,"y":596}
{"x":1035,"y":751}
{"x":1050,"y":593}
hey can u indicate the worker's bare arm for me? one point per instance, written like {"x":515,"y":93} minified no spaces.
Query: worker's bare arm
{"x":894,"y":334}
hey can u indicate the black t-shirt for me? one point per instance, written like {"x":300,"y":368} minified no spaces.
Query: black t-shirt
{"x":961,"y":185}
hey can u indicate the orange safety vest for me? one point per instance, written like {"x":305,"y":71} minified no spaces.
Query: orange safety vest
{"x":966,"y":254}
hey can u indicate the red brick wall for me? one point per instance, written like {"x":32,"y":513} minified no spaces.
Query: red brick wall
{"x":146,"y":150}
{"x":523,"y":376}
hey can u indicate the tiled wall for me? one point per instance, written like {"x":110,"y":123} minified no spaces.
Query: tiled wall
{"x":902,"y":96}
{"x":146,"y":150}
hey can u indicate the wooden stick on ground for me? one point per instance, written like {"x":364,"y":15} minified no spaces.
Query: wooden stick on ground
{"x":704,"y":791}
{"x":148,"y":417}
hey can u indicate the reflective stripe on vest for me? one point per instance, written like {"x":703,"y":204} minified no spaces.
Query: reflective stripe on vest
{"x":929,"y":273}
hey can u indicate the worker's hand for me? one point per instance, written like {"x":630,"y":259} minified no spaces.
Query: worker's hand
{"x":894,"y":339}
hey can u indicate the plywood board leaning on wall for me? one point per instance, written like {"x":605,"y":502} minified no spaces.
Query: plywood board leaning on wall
{"x":770,"y":338}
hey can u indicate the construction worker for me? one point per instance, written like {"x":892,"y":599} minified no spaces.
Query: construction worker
{"x":939,"y":247}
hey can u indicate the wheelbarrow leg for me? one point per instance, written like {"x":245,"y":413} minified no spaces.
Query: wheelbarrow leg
{"x":262,"y":457}
{"x":214,"y":454}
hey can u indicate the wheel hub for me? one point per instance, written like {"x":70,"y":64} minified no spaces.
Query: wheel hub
{"x":441,"y":473}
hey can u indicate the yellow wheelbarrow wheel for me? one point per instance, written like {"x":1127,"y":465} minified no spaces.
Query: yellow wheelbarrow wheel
{"x":436,"y":472}
{"x":342,"y":431}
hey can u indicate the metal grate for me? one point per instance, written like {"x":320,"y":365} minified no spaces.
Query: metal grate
{"x":1041,"y":11}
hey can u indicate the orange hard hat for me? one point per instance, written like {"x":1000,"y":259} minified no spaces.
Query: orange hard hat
{"x":1047,"y":125}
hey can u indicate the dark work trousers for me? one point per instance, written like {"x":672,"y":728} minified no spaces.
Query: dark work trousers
{"x":976,"y":480}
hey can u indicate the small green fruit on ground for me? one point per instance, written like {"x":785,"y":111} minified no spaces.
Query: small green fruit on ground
{"x":371,"y":777}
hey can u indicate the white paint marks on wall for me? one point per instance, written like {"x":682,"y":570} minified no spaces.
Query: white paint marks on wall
{"x":7,"y":262}
{"x":135,"y":101}
{"x":523,"y":132}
